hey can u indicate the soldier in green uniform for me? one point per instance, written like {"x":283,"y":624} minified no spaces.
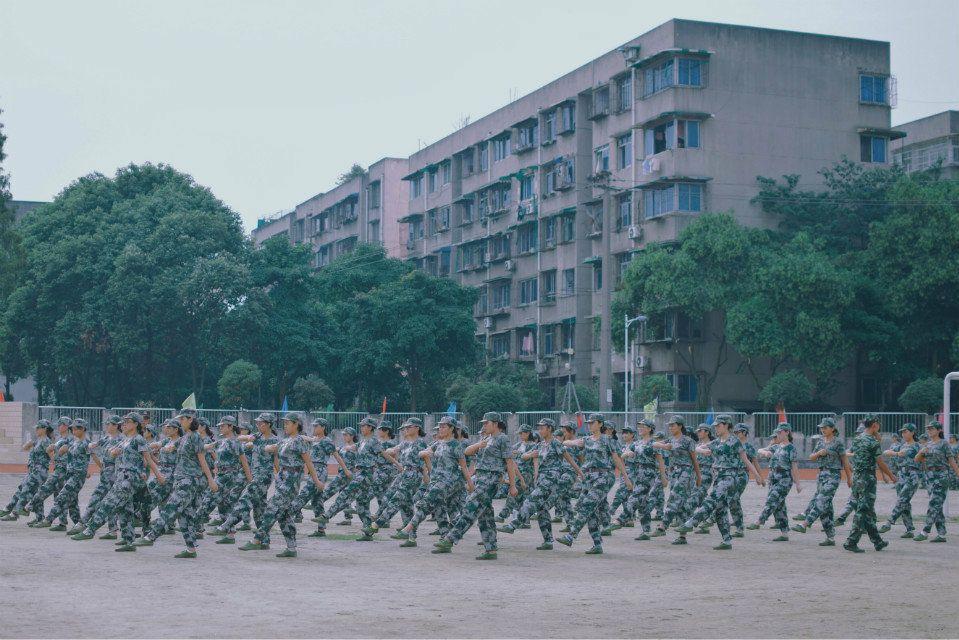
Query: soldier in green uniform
{"x":907,"y":479}
{"x":866,"y":456}
{"x":684,"y":477}
{"x":38,"y":467}
{"x":416,"y":473}
{"x":938,"y":459}
{"x":54,"y":482}
{"x":77,"y":470}
{"x":253,"y":498}
{"x":741,"y":431}
{"x":783,"y":474}
{"x":831,"y":456}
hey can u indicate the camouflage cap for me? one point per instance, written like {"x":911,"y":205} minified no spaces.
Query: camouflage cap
{"x":525,"y":428}
{"x":67,"y":420}
{"x":659,"y":435}
{"x":860,"y":428}
{"x":705,"y":427}
{"x":230,"y":420}
{"x":546,"y":422}
{"x":79,"y":423}
{"x":782,"y":427}
{"x":293,"y":416}
{"x":646,"y":422}
{"x":596,"y":417}
{"x":413,"y":422}
{"x":869,"y":418}
{"x":741,"y":427}
{"x":923,"y":438}
{"x":44,"y":424}
{"x":321,"y":422}
{"x":154,"y":429}
{"x":724,"y":418}
{"x":203,"y":421}
{"x":559,"y":433}
{"x":169,"y":422}
{"x":113,"y":419}
{"x":349,"y":431}
{"x":827,"y":422}
{"x":186,"y":413}
{"x":133,"y":416}
{"x":266,"y":417}
{"x":245,"y":426}
{"x":492,"y":416}
{"x":628,"y":428}
{"x":934,"y":424}
{"x":677,"y":419}
{"x":386,"y":424}
{"x":450,"y":420}
{"x":368,"y":422}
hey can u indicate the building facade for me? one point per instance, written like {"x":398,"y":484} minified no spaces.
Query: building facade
{"x":930,"y":140}
{"x":541,"y":204}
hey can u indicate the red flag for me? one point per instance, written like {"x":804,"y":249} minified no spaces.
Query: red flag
{"x":781,"y":411}
{"x":383,"y":410}
{"x":579,"y":420}
{"x":2,"y":399}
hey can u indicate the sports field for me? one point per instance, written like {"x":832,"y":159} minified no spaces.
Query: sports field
{"x":53,"y":587}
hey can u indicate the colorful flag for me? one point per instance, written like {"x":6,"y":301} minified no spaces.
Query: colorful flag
{"x":383,"y":410}
{"x":781,"y":412}
{"x":286,"y":405}
{"x":709,"y":416}
{"x":2,"y":399}
{"x":451,"y":410}
{"x":190,"y":402}
{"x":650,"y":410}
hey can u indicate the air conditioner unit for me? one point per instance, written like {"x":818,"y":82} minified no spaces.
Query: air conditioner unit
{"x":642,"y":362}
{"x":488,"y":323}
{"x":635,"y":233}
{"x":540,"y":368}
{"x":631,"y":54}
{"x":509,"y":265}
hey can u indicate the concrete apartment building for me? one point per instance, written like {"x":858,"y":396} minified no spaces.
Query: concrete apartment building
{"x":367,"y":208}
{"x":929,"y":140}
{"x":541,"y":204}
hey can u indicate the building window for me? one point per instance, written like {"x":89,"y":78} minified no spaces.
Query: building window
{"x":549,"y":285}
{"x":569,"y":281}
{"x":549,"y":232}
{"x":624,"y":209}
{"x":501,"y":296}
{"x":466,"y":163}
{"x":549,"y":127}
{"x":872,"y":148}
{"x":374,"y":195}
{"x":657,"y":78}
{"x":445,"y":262}
{"x":687,"y":134}
{"x":569,"y":227}
{"x":690,"y":197}
{"x":500,"y":345}
{"x":597,"y":276}
{"x":527,"y":342}
{"x":549,"y":340}
{"x":567,"y":114}
{"x":624,"y":260}
{"x":674,"y":134}
{"x":499,"y":198}
{"x":416,"y":186}
{"x":624,"y":151}
{"x":601,"y":159}
{"x":483,"y":156}
{"x":526,"y":187}
{"x":872,"y":89}
{"x":690,"y":72}
{"x":600,"y":103}
{"x":624,"y":93}
{"x":431,"y":220}
{"x":679,"y":197}
{"x":526,"y":237}
{"x":444,"y":218}
{"x":500,"y":148}
{"x":528,"y":291}
{"x":569,"y":333}
{"x":528,"y":135}
{"x":499,"y":247}
{"x":431,"y":181}
{"x":482,"y":303}
{"x":467,"y":210}
{"x":687,"y":387}
{"x":446,"y":170}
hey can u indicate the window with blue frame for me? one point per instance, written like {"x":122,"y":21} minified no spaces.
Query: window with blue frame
{"x":690,"y":72}
{"x":872,"y":89}
{"x":690,"y":197}
{"x":872,"y":148}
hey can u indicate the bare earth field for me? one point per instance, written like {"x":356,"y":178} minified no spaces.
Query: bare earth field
{"x":51,"y":586}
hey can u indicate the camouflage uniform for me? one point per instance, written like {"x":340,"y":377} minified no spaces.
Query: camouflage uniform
{"x":55,"y":480}
{"x":726,"y":462}
{"x":742,"y":481}
{"x":866,"y":451}
{"x":38,"y":468}
{"x":67,"y":500}
{"x":827,"y":483}
{"x":780,"y":482}
{"x":130,"y":473}
{"x":320,"y":452}
{"x":188,"y":482}
{"x":280,"y":507}
{"x":445,"y":479}
{"x":407,"y":483}
{"x":633,"y":472}
{"x":598,"y":478}
{"x":526,"y":471}
{"x":166,"y":463}
{"x":360,"y":487}
{"x":383,"y":474}
{"x":644,"y":483}
{"x":229,"y":475}
{"x":907,"y":482}
{"x":107,"y":476}
{"x":490,"y":467}
{"x":207,"y":499}
{"x":938,"y":455}
{"x":955,"y":454}
{"x":253,"y":496}
{"x":682,"y":482}
{"x":552,"y":469}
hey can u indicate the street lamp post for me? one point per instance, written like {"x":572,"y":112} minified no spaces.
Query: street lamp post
{"x":628,"y":351}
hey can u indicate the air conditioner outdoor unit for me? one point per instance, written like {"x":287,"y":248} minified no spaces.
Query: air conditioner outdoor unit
{"x":541,"y":367}
{"x":634,"y":233}
{"x":509,"y":265}
{"x":488,"y":323}
{"x":642,"y":362}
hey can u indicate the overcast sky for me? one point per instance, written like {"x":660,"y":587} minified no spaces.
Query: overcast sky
{"x":267,"y":102}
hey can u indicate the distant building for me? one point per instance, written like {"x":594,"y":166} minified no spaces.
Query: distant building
{"x":23,"y":207}
{"x":930,"y":140}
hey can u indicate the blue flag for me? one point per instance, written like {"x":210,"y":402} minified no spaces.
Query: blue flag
{"x":709,"y":416}
{"x":451,"y":410}
{"x":286,"y":406}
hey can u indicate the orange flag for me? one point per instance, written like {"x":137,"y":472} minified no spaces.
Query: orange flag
{"x":781,"y":411}
{"x":383,"y":410}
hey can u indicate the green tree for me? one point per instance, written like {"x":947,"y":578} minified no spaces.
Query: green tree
{"x":356,"y":171}
{"x":239,"y":386}
{"x":922,"y":396}
{"x":490,"y":396}
{"x":518,"y":375}
{"x":652,"y":387}
{"x":311,"y":394}
{"x":789,"y":388}
{"x":12,"y":364}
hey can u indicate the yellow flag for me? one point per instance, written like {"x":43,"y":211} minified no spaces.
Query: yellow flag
{"x":190,"y":402}
{"x":651,"y":409}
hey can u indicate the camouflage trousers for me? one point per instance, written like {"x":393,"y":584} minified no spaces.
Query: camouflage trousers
{"x":400,"y":499}
{"x":512,"y":504}
{"x":182,"y":505}
{"x":657,"y":499}
{"x":108,"y":476}
{"x":309,"y":494}
{"x":360,"y":491}
{"x":50,"y":487}
{"x":440,"y":499}
{"x":252,"y":498}
{"x":563,"y":497}
{"x":621,"y":496}
{"x":702,"y":491}
{"x":67,"y":500}
{"x":849,"y":508}
{"x":479,"y":509}
{"x":118,"y":503}
{"x":780,"y":482}
{"x":280,"y":509}
{"x":231,"y":487}
{"x":208,"y":502}
{"x":537,"y":502}
{"x":864,"y":499}
{"x":736,"y":499}
{"x":937,"y":483}
{"x":640,"y":501}
{"x":592,"y":509}
{"x":820,"y":507}
{"x":160,"y":493}
{"x":907,"y":482}
{"x":682,"y":495}
{"x":28,"y":488}
{"x":383,"y":476}
{"x":716,"y":503}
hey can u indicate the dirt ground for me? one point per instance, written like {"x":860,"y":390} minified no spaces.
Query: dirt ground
{"x":53,"y":587}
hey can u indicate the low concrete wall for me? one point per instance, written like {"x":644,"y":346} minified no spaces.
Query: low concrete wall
{"x":16,"y":418}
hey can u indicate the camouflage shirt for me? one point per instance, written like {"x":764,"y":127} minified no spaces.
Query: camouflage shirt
{"x":349,"y":457}
{"x":188,"y":446}
{"x":409,"y":455}
{"x":321,"y":450}
{"x":166,"y":460}
{"x":551,"y":455}
{"x":228,"y":452}
{"x":908,"y":460}
{"x":78,"y":457}
{"x":726,"y":454}
{"x":39,"y":458}
{"x":60,"y":460}
{"x":938,"y":455}
{"x":367,"y":452}
{"x":103,"y":445}
{"x":598,"y":452}
{"x":384,"y":445}
{"x":681,"y":453}
{"x":865,"y":451}
{"x":783,"y":456}
{"x":262,"y":460}
{"x":493,"y":455}
{"x":290,"y":452}
{"x":131,"y":456}
{"x":645,"y":452}
{"x":835,"y":450}
{"x":447,"y":455}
